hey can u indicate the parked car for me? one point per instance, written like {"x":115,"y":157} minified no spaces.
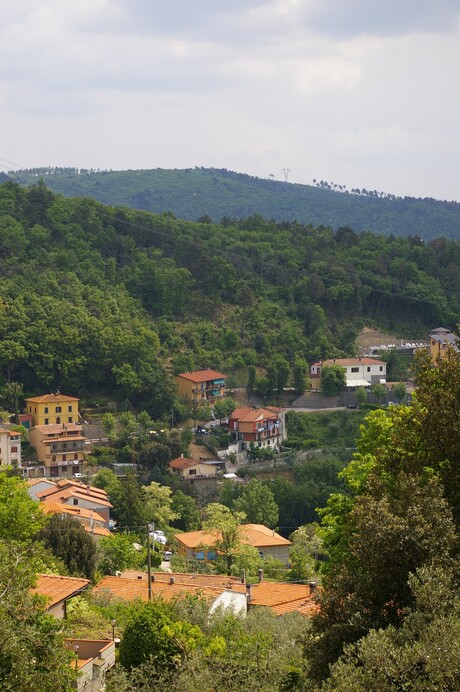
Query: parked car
{"x":78,"y":475}
{"x":167,"y":555}
{"x":352,"y":406}
{"x":201,"y":431}
{"x":159,"y":537}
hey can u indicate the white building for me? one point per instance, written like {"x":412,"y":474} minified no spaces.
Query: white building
{"x":10,"y":448}
{"x":360,"y":372}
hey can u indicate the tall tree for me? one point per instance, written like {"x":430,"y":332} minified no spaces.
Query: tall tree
{"x":257,"y":502}
{"x":225,"y":527}
{"x":66,"y":537}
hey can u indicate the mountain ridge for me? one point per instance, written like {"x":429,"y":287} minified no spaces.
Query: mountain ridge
{"x":216,"y":194}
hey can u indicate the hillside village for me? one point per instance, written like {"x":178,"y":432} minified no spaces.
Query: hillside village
{"x":231,"y":564}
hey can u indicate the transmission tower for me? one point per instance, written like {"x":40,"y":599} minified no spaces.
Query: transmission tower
{"x":286,"y":172}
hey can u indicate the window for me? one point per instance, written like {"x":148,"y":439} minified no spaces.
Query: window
{"x":381,"y":368}
{"x":355,"y":370}
{"x":58,"y":409}
{"x":75,"y":456}
{"x":368,"y":368}
{"x":53,"y":458}
{"x":69,"y":419}
{"x":75,"y":501}
{"x":58,"y":419}
{"x":47,"y":421}
{"x":69,"y":408}
{"x":46,"y":409}
{"x":192,"y":472}
{"x":14,"y":450}
{"x":64,"y":457}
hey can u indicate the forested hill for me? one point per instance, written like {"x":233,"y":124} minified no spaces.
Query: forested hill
{"x":195,"y":193}
{"x":97,"y":299}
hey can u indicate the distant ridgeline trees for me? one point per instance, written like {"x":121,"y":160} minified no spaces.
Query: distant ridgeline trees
{"x":215,"y":194}
{"x":97,"y":299}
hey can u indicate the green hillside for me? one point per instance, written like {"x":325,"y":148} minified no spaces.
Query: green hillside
{"x":195,"y":193}
{"x":110,"y":300}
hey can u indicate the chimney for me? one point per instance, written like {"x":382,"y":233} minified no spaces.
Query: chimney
{"x":172,"y":580}
{"x":249,"y":592}
{"x":88,"y":488}
{"x":312,"y":586}
{"x":243,"y":576}
{"x":260,"y":574}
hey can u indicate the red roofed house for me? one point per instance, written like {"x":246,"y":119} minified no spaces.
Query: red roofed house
{"x":80,"y":496}
{"x":201,"y":385}
{"x":94,"y":657}
{"x":360,"y":372}
{"x":221,"y":590}
{"x":189,"y":469}
{"x":264,"y":427}
{"x":195,"y":544}
{"x":57,"y":590}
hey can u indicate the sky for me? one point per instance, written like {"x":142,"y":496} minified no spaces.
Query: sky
{"x":355,"y":92}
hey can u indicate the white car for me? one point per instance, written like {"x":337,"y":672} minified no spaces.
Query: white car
{"x":159,"y":537}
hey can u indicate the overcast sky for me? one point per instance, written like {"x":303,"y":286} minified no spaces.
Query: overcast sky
{"x":358,"y":92}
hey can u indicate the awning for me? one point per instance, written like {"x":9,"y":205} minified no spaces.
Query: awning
{"x":358,"y":383}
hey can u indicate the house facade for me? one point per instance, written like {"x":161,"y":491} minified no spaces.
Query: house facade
{"x":263,"y":427}
{"x":199,"y":545}
{"x":52,"y":409}
{"x":360,"y":372}
{"x":59,"y":447}
{"x":442,"y":340}
{"x":78,"y":495}
{"x":201,"y":385}
{"x":190,"y":469}
{"x":10,"y":448}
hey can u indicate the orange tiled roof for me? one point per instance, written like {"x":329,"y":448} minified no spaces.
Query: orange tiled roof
{"x":56,"y":428}
{"x":57,"y":588}
{"x":137,"y":589}
{"x":281,"y":597}
{"x":34,"y":481}
{"x":247,"y":413}
{"x":202,"y":375}
{"x":256,"y":535}
{"x":93,"y":489}
{"x":98,"y":530}
{"x":220,"y":580}
{"x":54,"y":507}
{"x":60,"y":494}
{"x":351,"y":361}
{"x":182,"y":463}
{"x":51,"y":398}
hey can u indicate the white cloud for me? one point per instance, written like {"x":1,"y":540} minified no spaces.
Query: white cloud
{"x":359,"y":92}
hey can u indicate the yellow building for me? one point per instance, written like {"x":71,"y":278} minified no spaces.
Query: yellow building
{"x":201,"y":385}
{"x":441,"y":342}
{"x":60,"y":448}
{"x":52,"y":409}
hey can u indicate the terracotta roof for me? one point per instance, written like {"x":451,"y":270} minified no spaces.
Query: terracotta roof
{"x":56,"y":428}
{"x":57,"y":588}
{"x":34,"y":481}
{"x":214,"y":580}
{"x":350,"y":361}
{"x":246,"y":413}
{"x":98,"y":530}
{"x":281,"y":597}
{"x":51,"y":398}
{"x":69,"y":483}
{"x":60,"y":494}
{"x":54,"y":507}
{"x":256,"y":535}
{"x":202,"y":375}
{"x":183,"y":463}
{"x":137,"y":589}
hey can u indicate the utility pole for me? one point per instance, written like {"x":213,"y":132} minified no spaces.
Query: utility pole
{"x":149,"y":565}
